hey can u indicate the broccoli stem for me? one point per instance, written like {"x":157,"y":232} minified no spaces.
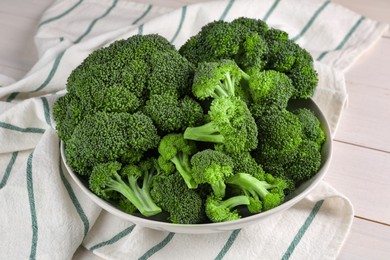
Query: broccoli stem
{"x":220,"y":92}
{"x":252,"y":185}
{"x":204,"y":133}
{"x":181,"y":167}
{"x":229,"y":84}
{"x":219,"y":188}
{"x":235,"y":201}
{"x":140,"y":197}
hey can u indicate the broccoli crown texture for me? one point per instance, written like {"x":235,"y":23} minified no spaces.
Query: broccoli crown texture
{"x":212,"y":167}
{"x":184,"y":205}
{"x":230,"y":124}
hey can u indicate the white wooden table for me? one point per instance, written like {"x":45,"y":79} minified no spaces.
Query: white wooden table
{"x":361,"y":161}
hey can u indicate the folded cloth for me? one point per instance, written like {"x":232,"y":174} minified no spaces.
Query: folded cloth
{"x":46,"y":216}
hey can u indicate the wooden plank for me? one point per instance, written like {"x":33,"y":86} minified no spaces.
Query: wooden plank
{"x":366,"y":120}
{"x":361,"y":174}
{"x":367,"y":240}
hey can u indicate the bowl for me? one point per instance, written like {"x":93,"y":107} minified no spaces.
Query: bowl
{"x":158,"y":222}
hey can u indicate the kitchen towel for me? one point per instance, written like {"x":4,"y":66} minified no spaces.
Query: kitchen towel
{"x":46,"y":216}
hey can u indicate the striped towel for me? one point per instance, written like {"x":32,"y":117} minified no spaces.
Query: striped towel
{"x":46,"y":216}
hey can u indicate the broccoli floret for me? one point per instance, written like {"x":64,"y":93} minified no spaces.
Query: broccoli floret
{"x":109,"y":178}
{"x":280,"y":134}
{"x":230,"y":124}
{"x":219,"y":210}
{"x":68,"y":112}
{"x":244,"y":162}
{"x":305,"y":163}
{"x":175,"y":153}
{"x":184,"y":205}
{"x":265,"y":194}
{"x":172,"y":114}
{"x":244,"y":24}
{"x":216,"y":79}
{"x":212,"y":167}
{"x":104,"y":137}
{"x":241,"y":40}
{"x":282,"y":51}
{"x":270,"y":88}
{"x":311,"y":125}
{"x":170,"y":73}
{"x":216,"y":40}
{"x":303,"y":75}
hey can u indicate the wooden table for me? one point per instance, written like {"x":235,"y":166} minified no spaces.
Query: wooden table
{"x":361,"y":161}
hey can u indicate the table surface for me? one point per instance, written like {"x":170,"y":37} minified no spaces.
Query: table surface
{"x":361,"y":163}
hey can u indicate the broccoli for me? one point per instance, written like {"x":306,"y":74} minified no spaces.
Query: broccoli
{"x":240,"y":40}
{"x":265,"y":194}
{"x":270,"y":88}
{"x":172,"y":114}
{"x":216,"y":79}
{"x":170,"y":72}
{"x":230,"y":124}
{"x":219,"y":210}
{"x":212,"y":167}
{"x":184,"y":205}
{"x":280,"y":134}
{"x":175,"y":153}
{"x":104,"y":137}
{"x":109,"y":178}
{"x":311,"y":126}
{"x":305,"y":163}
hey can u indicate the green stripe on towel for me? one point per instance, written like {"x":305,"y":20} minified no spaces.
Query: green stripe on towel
{"x":143,"y":15}
{"x":90,"y":27}
{"x":271,"y":10}
{"x":226,"y":11}
{"x":31,"y":130}
{"x":157,"y":247}
{"x":114,"y":239}
{"x":46,"y":110}
{"x":302,"y":230}
{"x":59,"y":57}
{"x":61,"y":15}
{"x":344,"y":41}
{"x":74,"y":200}
{"x":31,"y":200}
{"x":8,"y":170}
{"x":311,"y":21}
{"x":228,"y":244}
{"x":183,"y":17}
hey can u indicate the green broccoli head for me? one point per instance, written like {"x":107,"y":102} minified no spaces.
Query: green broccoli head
{"x":311,"y":125}
{"x":216,"y":79}
{"x":219,"y":210}
{"x":230,"y":125}
{"x":270,"y":88}
{"x":212,"y":167}
{"x":280,"y":134}
{"x":175,"y":153}
{"x":303,"y":75}
{"x":184,"y":205}
{"x":170,"y":73}
{"x":104,"y":137}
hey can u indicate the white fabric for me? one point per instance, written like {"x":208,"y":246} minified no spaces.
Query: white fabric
{"x":46,"y":216}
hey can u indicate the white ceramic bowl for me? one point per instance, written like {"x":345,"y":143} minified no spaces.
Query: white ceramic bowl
{"x":155,"y":223}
